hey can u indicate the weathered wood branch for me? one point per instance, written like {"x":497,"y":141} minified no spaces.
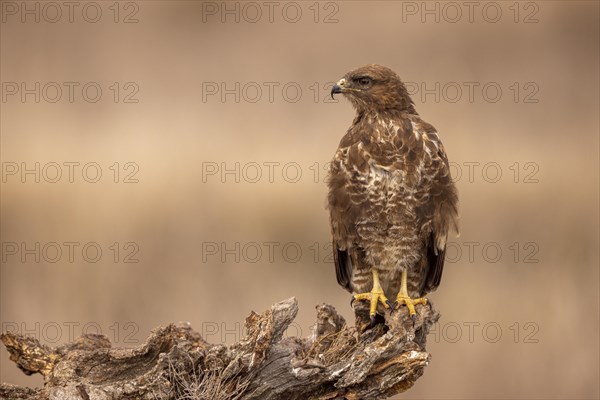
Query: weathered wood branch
{"x":337,"y":362}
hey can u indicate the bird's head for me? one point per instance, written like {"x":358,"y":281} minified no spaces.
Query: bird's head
{"x":374,"y":88}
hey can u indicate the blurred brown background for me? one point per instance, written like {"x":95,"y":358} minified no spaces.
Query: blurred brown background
{"x":511,"y":87}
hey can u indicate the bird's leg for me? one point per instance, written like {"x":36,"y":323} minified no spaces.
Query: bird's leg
{"x":404,"y":298}
{"x":374,"y":296}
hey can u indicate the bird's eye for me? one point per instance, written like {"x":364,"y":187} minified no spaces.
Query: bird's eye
{"x":364,"y":81}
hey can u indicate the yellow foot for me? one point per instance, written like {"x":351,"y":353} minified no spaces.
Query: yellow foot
{"x":409,"y":303}
{"x":374,"y":296}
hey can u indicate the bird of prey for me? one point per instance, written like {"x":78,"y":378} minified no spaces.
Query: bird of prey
{"x":391,"y":199}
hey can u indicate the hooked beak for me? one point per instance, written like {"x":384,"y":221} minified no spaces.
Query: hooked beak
{"x":338,"y":87}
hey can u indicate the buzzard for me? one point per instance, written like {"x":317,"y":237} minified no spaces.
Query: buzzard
{"x":391,"y":199}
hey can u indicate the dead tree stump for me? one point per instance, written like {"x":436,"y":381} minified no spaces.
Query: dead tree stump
{"x":337,"y":362}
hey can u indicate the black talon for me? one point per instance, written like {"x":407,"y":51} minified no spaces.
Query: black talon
{"x":372,"y":323}
{"x":414,"y":319}
{"x":391,"y":305}
{"x":352,"y":301}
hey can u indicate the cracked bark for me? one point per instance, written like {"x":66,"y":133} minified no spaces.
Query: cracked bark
{"x":337,"y":362}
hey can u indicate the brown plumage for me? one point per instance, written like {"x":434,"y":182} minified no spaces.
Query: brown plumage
{"x":391,"y":198}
